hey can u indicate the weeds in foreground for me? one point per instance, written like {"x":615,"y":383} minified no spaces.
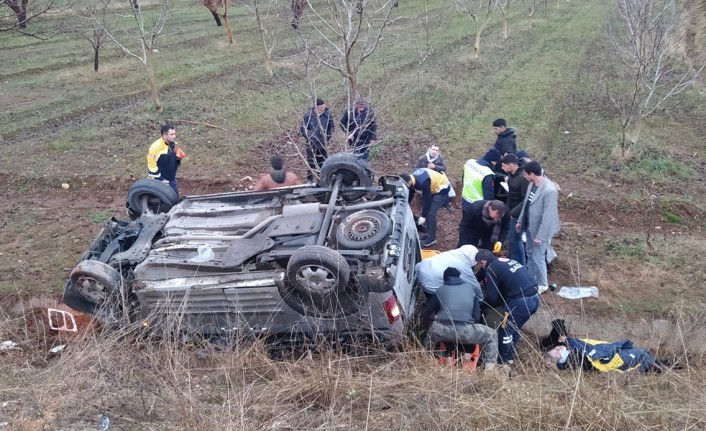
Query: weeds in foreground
{"x":164,"y":383}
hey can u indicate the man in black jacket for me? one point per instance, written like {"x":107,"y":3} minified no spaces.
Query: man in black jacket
{"x":505,"y":143}
{"x":361,"y":128}
{"x":457,"y":311}
{"x":510,"y":287}
{"x":483,"y":224}
{"x":517,"y":189}
{"x":317,"y":128}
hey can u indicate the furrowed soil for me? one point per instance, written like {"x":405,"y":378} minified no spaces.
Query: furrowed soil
{"x":73,"y":141}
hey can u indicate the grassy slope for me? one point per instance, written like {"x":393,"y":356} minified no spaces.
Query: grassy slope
{"x":59,"y":118}
{"x":62,"y":121}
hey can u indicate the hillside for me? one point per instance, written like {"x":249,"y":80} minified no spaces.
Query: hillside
{"x":633,"y":226}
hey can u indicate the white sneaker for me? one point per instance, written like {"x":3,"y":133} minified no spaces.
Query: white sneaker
{"x":542,"y":288}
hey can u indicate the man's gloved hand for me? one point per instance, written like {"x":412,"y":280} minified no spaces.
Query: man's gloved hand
{"x":165,"y":182}
{"x":497,"y":248}
{"x":421,"y":221}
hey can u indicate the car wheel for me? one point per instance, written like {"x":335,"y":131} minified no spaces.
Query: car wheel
{"x":353,"y":170}
{"x":319,"y":283}
{"x":148,"y":196}
{"x":318,"y":270}
{"x":95,"y":281}
{"x":363,"y":229}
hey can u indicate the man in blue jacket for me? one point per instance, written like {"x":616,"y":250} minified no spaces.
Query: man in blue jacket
{"x":457,"y":311}
{"x":435,"y":189}
{"x":510,"y":287}
{"x":360,"y":127}
{"x":317,"y":128}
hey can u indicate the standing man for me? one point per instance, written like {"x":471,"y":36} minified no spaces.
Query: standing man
{"x":511,"y":288}
{"x":479,"y":179}
{"x":361,"y":128}
{"x":278,"y":177}
{"x":540,"y":220}
{"x":484,"y":224}
{"x":517,"y":190}
{"x":435,"y":194}
{"x":457,"y":310}
{"x":506,"y":142}
{"x":317,"y":129}
{"x":164,"y":158}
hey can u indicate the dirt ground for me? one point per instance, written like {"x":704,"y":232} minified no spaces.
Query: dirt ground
{"x":47,"y":227}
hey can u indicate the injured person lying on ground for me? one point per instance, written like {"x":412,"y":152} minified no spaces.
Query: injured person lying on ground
{"x":593,"y":355}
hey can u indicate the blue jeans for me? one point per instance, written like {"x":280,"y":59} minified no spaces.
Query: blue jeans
{"x":517,"y":247}
{"x":518,"y":312}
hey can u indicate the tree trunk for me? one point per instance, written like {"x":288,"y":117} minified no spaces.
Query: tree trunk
{"x":154,"y":89}
{"x":95,"y":58}
{"x":476,"y":47}
{"x":635,"y":135}
{"x":217,"y":18}
{"x":20,"y":10}
{"x":504,"y":26}
{"x":260,"y":28}
{"x":228,"y":30}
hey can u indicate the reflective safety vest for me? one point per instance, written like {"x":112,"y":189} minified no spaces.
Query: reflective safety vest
{"x":603,"y":364}
{"x":473,"y":175}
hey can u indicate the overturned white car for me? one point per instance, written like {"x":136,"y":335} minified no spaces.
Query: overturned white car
{"x":332,"y":260}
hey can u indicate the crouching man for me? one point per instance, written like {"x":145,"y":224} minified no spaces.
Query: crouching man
{"x":457,"y":310}
{"x":511,"y":288}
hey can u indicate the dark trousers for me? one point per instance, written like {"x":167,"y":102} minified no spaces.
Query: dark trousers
{"x":315,"y":158}
{"x":437,"y":202}
{"x":518,"y":312}
{"x":360,"y":148}
{"x":174,"y":185}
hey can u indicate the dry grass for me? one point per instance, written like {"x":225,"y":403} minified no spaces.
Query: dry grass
{"x":166,"y":384}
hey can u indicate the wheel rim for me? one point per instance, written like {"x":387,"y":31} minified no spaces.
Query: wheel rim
{"x":362,"y":229}
{"x":317,"y":279}
{"x":91,"y":289}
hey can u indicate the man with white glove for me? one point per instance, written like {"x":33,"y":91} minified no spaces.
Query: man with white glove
{"x":435,"y":193}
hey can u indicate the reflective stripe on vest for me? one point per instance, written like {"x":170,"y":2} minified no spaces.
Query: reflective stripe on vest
{"x":473,"y":175}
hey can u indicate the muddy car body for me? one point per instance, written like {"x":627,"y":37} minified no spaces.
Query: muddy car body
{"x":333,"y":260}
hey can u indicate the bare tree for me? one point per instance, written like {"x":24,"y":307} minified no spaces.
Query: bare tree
{"x":425,"y":48}
{"x":647,"y":37}
{"x":474,"y":8}
{"x":344,"y":33}
{"x":297,"y":7}
{"x":262,"y":9}
{"x":140,"y":41}
{"x":504,"y":8}
{"x":83,"y":24}
{"x":531,"y":7}
{"x":215,"y":6}
{"x":22,"y":12}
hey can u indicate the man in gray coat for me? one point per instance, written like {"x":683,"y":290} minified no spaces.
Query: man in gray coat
{"x":540,"y":219}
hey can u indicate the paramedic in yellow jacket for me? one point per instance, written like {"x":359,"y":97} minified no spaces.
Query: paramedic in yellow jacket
{"x":164,"y":158}
{"x":435,"y":193}
{"x":479,"y":179}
